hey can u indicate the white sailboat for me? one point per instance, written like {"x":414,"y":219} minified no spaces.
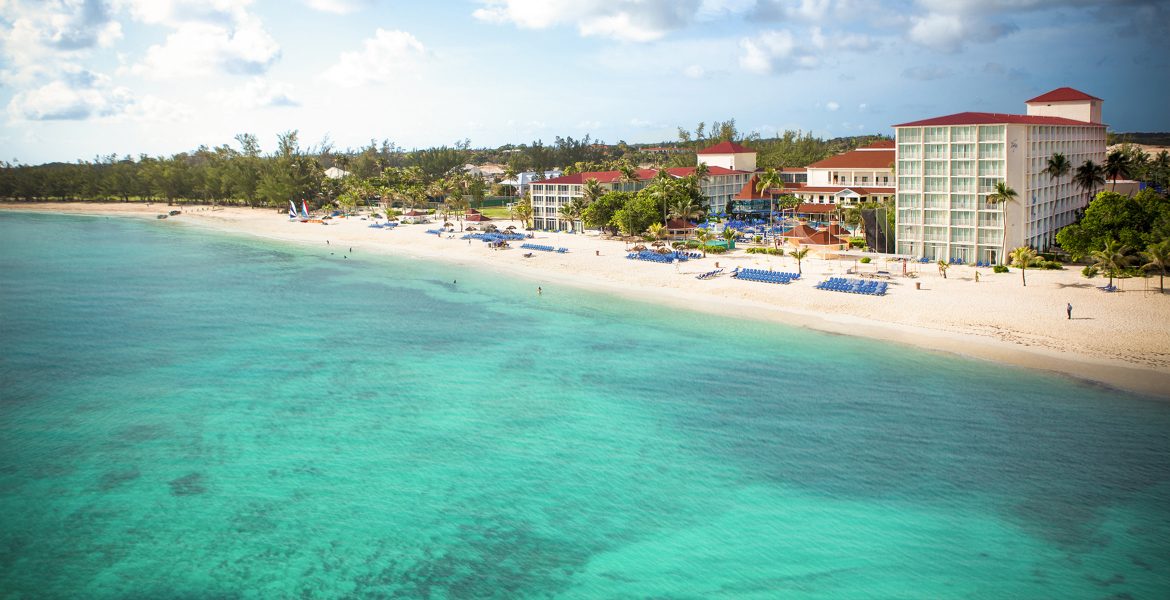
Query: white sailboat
{"x":292,"y":211}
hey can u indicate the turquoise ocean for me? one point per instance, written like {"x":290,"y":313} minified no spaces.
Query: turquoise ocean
{"x":186,"y":414}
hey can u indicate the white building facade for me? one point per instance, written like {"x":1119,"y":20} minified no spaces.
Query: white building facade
{"x":719,"y":186}
{"x":948,"y":166}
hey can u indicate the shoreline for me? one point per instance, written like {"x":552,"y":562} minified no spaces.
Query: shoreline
{"x":1117,"y":340}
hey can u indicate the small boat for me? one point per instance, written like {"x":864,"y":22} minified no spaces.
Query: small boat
{"x":161,"y":217}
{"x":175,"y":212}
{"x":304,"y":212}
{"x":292,"y":211}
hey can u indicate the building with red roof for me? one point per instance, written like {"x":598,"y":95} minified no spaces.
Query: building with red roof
{"x":719,"y":186}
{"x":948,"y":166}
{"x":729,"y":155}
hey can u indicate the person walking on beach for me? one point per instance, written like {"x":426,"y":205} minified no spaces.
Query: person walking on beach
{"x":1069,"y":309}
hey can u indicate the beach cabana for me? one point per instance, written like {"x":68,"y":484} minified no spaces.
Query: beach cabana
{"x":414,"y":216}
{"x":679,"y":229}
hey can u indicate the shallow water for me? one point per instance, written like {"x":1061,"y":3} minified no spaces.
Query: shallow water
{"x":190,"y":414}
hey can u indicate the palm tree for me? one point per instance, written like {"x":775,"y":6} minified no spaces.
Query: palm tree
{"x":768,"y":180}
{"x":729,"y":236}
{"x":1158,"y":256}
{"x":1001,"y":196}
{"x":1089,"y":176}
{"x":591,"y":191}
{"x":656,"y":231}
{"x":703,"y":236}
{"x":1058,"y":166}
{"x":662,"y":189}
{"x":1022,"y":257}
{"x":686,"y":210}
{"x":523,"y":210}
{"x":629,"y":175}
{"x":1113,"y":259}
{"x":1117,"y":166}
{"x":799,"y":255}
{"x":571,"y":212}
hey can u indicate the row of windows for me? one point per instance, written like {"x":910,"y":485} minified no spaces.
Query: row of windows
{"x":958,"y":133}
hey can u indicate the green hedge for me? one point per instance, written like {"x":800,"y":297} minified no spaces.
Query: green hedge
{"x":1000,"y":268}
{"x":772,"y":251}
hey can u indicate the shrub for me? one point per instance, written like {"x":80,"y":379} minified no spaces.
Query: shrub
{"x":1089,"y":271}
{"x":716,"y":250}
{"x":1051,"y":264}
{"x":1000,"y":268}
{"x":857,"y":242}
{"x":865,"y":260}
{"x":757,"y":239}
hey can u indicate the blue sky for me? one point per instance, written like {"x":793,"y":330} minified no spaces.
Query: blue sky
{"x":80,"y":78}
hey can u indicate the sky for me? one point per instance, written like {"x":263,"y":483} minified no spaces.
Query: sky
{"x":87,"y":78}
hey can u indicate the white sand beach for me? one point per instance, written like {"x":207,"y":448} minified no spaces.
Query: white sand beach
{"x":1119,"y":339}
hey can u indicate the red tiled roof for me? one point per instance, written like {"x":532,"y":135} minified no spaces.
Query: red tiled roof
{"x":800,"y":231}
{"x":837,"y":230}
{"x":1064,"y":94}
{"x":812,"y":209}
{"x":643,"y":175}
{"x":861,"y":191}
{"x":857,"y":159}
{"x":749,"y":192}
{"x":476,"y":217}
{"x":679,"y":224}
{"x":794,"y":170}
{"x":823,"y":238}
{"x":725,"y":148}
{"x":982,"y":118}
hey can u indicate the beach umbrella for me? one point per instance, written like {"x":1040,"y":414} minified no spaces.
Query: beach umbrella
{"x":470,"y":228}
{"x":448,"y":224}
{"x":510,"y":227}
{"x":658,"y":244}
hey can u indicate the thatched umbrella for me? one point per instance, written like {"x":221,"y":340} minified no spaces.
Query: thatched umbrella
{"x":664,"y":250}
{"x":658,"y":244}
{"x":469,"y":228}
{"x":510,"y":227}
{"x":448,"y":224}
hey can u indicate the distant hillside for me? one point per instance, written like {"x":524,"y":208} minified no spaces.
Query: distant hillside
{"x":1140,"y":137}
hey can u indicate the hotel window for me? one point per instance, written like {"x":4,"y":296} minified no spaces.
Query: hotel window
{"x":936,"y":151}
{"x":963,"y":217}
{"x":936,"y":134}
{"x":962,"y":167}
{"x":962,"y":234}
{"x":936,"y":168}
{"x":909,"y":151}
{"x":991,"y":168}
{"x":909,"y":134}
{"x":909,"y":167}
{"x":562,"y":188}
{"x":962,"y":150}
{"x":990,"y":150}
{"x":963,"y":201}
{"x":935,"y":201}
{"x":987,"y":184}
{"x":908,"y":216}
{"x":909,"y":200}
{"x":936,"y":184}
{"x":989,"y":219}
{"x":935,"y":217}
{"x":963,"y":184}
{"x":935,"y":234}
{"x":963,"y":134}
{"x":991,"y":133}
{"x":909,"y":183}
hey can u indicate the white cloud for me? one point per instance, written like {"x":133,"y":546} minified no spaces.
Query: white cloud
{"x":257,"y":93}
{"x":694,"y":71}
{"x":626,"y":20}
{"x":198,"y":48}
{"x":79,"y":94}
{"x":774,"y":51}
{"x":383,"y":58}
{"x":832,"y":106}
{"x":337,"y":7}
{"x":176,"y":13}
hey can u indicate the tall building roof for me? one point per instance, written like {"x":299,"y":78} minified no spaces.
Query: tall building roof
{"x":982,"y":118}
{"x":1064,"y":94}
{"x":725,"y":148}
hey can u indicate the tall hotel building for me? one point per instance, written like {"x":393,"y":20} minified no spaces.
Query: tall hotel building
{"x":947,"y":167}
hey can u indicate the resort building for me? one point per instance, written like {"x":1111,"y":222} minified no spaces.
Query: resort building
{"x":719,"y":186}
{"x":862,"y":175}
{"x":947,"y":166}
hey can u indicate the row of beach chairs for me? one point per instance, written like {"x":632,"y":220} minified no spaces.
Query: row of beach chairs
{"x":543,"y":248}
{"x":765,"y":276}
{"x":651,"y":256}
{"x":854,"y":286}
{"x":709,"y":274}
